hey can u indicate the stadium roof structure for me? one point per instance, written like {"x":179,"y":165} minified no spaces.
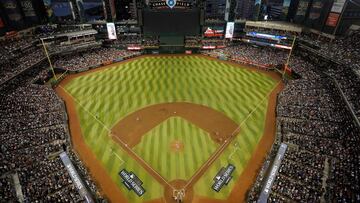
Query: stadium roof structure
{"x":276,"y":25}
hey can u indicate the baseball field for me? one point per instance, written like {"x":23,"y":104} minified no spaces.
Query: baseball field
{"x":174,"y":121}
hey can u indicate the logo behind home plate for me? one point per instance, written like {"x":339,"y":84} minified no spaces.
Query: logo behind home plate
{"x":171,"y":3}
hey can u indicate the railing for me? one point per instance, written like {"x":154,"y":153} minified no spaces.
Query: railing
{"x":353,"y":114}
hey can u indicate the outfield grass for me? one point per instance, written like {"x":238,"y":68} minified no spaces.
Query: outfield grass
{"x":115,"y":92}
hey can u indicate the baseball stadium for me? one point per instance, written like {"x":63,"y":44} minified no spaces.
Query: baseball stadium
{"x":169,"y":101}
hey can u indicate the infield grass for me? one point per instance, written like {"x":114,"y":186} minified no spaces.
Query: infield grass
{"x":111,"y":94}
{"x":157,"y":148}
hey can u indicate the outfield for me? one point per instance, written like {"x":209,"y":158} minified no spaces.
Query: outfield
{"x":175,"y":148}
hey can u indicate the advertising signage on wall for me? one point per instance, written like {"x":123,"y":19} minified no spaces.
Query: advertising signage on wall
{"x":332,"y":19}
{"x":334,"y":15}
{"x":13,"y":13}
{"x":28,"y":8}
{"x":229,"y":30}
{"x":338,"y":6}
{"x":301,"y":11}
{"x":111,"y":30}
{"x":213,"y":32}
{"x":285,"y":8}
{"x":316,"y":8}
{"x":29,"y":11}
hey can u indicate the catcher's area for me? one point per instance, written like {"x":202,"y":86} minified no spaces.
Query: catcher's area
{"x":129,"y":131}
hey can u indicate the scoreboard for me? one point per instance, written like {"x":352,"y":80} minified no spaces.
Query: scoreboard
{"x":171,"y":21}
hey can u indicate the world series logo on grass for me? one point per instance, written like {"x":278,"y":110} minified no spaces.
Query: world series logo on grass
{"x":171,"y":3}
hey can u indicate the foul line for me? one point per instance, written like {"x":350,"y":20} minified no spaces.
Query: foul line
{"x":207,"y":163}
{"x":122,"y":142}
{"x":220,"y":150}
{"x":144,"y":162}
{"x":99,"y":121}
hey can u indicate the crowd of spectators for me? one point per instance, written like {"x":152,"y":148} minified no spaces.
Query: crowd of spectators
{"x":322,"y":160}
{"x":245,"y":53}
{"x":271,"y":31}
{"x":349,"y":83}
{"x":7,"y":190}
{"x":91,"y":58}
{"x":213,"y":42}
{"x":151,"y":41}
{"x":192,"y":41}
{"x":345,"y":70}
{"x":33,"y":133}
{"x":24,"y":60}
{"x":346,"y":49}
{"x":128,"y":40}
{"x":10,"y":48}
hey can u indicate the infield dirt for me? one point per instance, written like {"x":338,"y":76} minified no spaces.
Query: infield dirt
{"x":218,"y":125}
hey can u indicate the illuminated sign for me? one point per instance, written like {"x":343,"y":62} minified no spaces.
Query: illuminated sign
{"x":229,"y":30}
{"x":272,"y":175}
{"x":79,"y":184}
{"x":209,"y":47}
{"x":171,"y":3}
{"x":213,"y":32}
{"x":265,"y":36}
{"x":111,"y":30}
{"x":133,"y":48}
{"x":338,"y":6}
{"x":332,"y":19}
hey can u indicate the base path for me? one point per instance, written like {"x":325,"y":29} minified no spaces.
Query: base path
{"x":130,"y":130}
{"x":134,"y":126}
{"x":248,"y":176}
{"x":217,"y":124}
{"x":108,"y":187}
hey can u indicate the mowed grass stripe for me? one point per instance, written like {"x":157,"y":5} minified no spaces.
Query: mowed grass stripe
{"x":116,"y":92}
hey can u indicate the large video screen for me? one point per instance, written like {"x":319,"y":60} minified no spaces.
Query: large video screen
{"x":171,"y":22}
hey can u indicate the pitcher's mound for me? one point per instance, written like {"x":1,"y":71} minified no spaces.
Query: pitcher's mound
{"x":176,"y":146}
